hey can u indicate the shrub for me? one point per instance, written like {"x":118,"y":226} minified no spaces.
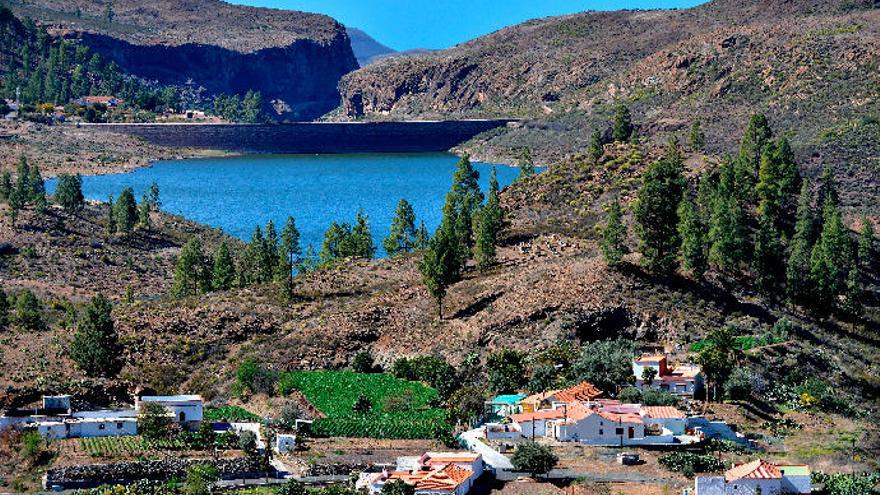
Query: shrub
{"x":606,"y":364}
{"x":253,"y":376}
{"x":362,"y":363}
{"x":656,"y":397}
{"x":292,"y":487}
{"x":153,"y":421}
{"x":534,"y":458}
{"x":290,"y":412}
{"x":362,"y":405}
{"x":630,"y":395}
{"x":199,"y":478}
{"x":689,"y":462}
{"x":247,"y":442}
{"x":739,"y":385}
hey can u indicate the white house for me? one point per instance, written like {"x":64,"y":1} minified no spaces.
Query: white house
{"x":599,"y":427}
{"x":187,"y":410}
{"x":88,"y":427}
{"x":747,"y":479}
{"x":435,"y":473}
{"x":682,"y":379}
{"x":534,"y":424}
{"x":665,"y":417}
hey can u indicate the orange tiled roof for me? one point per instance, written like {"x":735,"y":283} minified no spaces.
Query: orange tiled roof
{"x":650,"y":358}
{"x":537,"y":415}
{"x":755,"y":470}
{"x":581,"y":392}
{"x":447,"y":478}
{"x":663,"y":412}
{"x":538,"y":398}
{"x":621,"y":418}
{"x":447,"y":457}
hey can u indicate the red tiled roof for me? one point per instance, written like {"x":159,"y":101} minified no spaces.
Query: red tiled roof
{"x":663,"y":412}
{"x":581,"y":392}
{"x":537,"y":415}
{"x":621,"y":418}
{"x":650,"y":358}
{"x":447,"y":457}
{"x":755,"y":470}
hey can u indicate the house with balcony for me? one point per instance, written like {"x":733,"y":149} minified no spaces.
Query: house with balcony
{"x":681,"y":379}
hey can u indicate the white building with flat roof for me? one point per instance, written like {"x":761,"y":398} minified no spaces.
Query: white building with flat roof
{"x":187,"y":410}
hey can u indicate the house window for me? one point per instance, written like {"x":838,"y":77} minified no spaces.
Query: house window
{"x":182,"y":417}
{"x":601,"y":431}
{"x":618,"y":431}
{"x":101,"y":426}
{"x":118,"y":425}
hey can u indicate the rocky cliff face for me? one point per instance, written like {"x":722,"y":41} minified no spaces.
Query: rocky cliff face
{"x":294,"y":57}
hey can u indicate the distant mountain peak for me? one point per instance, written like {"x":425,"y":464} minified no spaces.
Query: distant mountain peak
{"x":366,"y":49}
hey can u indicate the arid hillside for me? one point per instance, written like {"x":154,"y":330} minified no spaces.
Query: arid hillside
{"x":810,"y":66}
{"x":293,"y":57}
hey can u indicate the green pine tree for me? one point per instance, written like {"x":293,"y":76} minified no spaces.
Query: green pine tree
{"x":143,"y":214}
{"x":110,"y":224}
{"x":5,"y":185}
{"x":596,"y":149}
{"x":489,"y":222}
{"x":191,"y":275}
{"x":797,"y":268}
{"x":441,"y":266}
{"x":69,"y":193}
{"x":526,"y":164}
{"x":289,"y":254}
{"x":402,"y":238}
{"x":28,"y":312}
{"x":831,"y":256}
{"x":310,"y":261}
{"x":768,"y":261}
{"x":423,"y":238}
{"x":614,"y":234}
{"x":362,"y":238}
{"x":462,"y":202}
{"x":693,"y":238}
{"x":854,"y":290}
{"x":250,"y":267}
{"x":866,"y":246}
{"x":125,"y":212}
{"x":697,"y":139}
{"x":223,"y":271}
{"x":656,"y":213}
{"x":95,"y":347}
{"x":622,"y":128}
{"x":727,"y":230}
{"x":752,"y":146}
{"x":37,"y":190}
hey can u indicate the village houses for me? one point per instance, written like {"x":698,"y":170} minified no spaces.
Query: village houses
{"x":56,"y":417}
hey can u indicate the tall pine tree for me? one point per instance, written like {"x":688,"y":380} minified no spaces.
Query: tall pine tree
{"x":656,"y":213}
{"x":441,"y":266}
{"x":223,"y":271}
{"x":95,"y":346}
{"x":752,"y":146}
{"x":614,"y":234}
{"x":797,"y":269}
{"x":693,"y":238}
{"x":402,"y":238}
{"x":191,"y":276}
{"x":489,"y":222}
{"x":831,"y":256}
{"x":622,"y":128}
{"x":462,"y":202}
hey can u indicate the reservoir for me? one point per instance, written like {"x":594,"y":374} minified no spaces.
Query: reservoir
{"x":239,"y":193}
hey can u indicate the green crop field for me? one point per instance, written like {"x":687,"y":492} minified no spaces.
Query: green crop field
{"x":335,"y":393}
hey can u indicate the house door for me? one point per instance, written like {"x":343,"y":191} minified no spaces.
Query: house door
{"x":632,"y":432}
{"x":182,"y":417}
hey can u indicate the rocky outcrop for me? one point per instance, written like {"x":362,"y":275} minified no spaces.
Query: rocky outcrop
{"x":291,"y":57}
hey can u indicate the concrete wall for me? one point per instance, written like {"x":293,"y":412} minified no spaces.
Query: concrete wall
{"x":368,"y":137}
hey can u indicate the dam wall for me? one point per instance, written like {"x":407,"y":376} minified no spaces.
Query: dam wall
{"x":311,"y":137}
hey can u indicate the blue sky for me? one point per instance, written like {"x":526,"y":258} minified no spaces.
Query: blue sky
{"x":406,"y":24}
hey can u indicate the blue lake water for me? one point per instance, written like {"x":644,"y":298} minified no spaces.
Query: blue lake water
{"x":238,"y":193}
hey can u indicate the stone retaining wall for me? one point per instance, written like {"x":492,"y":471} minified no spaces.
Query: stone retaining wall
{"x":92,"y":475}
{"x":308,"y":138}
